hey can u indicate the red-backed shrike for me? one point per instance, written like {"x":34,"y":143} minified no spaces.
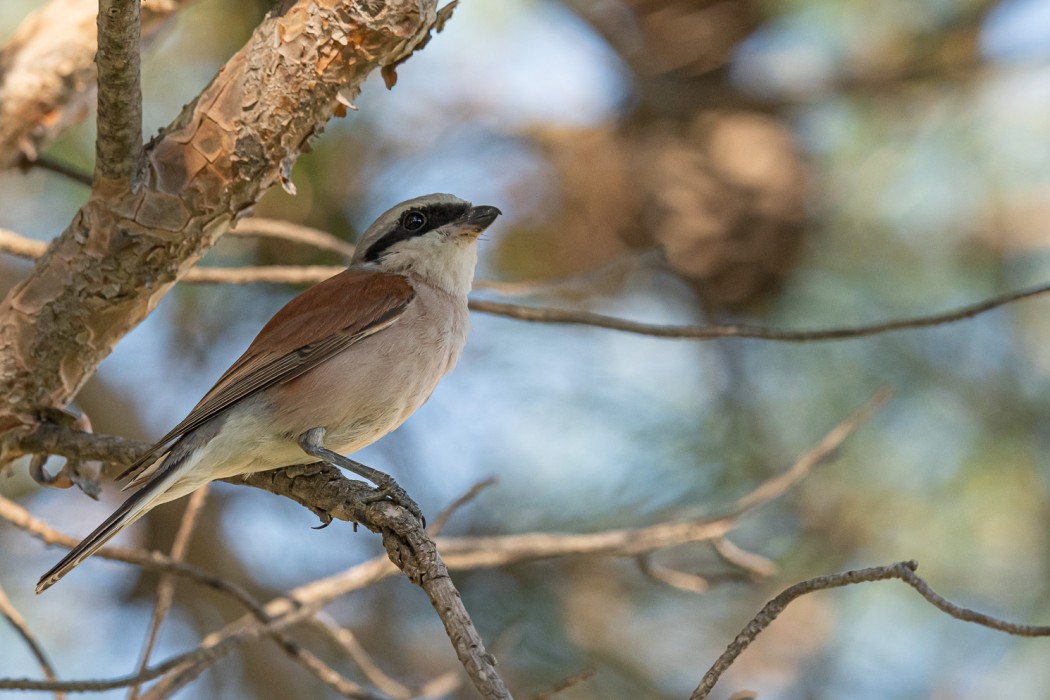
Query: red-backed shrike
{"x":340,"y":366}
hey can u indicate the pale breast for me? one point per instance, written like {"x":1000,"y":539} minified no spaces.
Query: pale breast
{"x":371,"y":388}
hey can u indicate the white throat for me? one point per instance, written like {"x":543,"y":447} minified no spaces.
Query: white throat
{"x":447,"y":265}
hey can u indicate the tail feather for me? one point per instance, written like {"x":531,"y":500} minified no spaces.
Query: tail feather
{"x":131,"y":510}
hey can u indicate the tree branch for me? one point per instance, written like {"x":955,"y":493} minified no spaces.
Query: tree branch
{"x":118,"y":145}
{"x":166,"y":585}
{"x":15,"y":244}
{"x":904,"y":571}
{"x":48,"y":75}
{"x":326,"y":491}
{"x":741,"y":330}
{"x":20,"y":518}
{"x":294,"y":233}
{"x":8,"y":610}
{"x":124,"y":251}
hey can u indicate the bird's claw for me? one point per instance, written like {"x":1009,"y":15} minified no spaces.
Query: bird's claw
{"x":392,"y":491}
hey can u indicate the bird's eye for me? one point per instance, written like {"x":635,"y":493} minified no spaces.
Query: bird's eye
{"x":414,"y":221}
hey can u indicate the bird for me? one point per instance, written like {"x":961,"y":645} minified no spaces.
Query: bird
{"x":338,"y":367}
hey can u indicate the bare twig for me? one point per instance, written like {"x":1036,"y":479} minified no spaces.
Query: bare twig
{"x":443,"y":517}
{"x":411,"y":549}
{"x":20,"y":246}
{"x":823,"y":450}
{"x":44,"y":162}
{"x":712,"y":332}
{"x":755,"y":564}
{"x":324,"y":489}
{"x":273,"y":274}
{"x":118,"y":147}
{"x":347,"y":641}
{"x":563,"y":685}
{"x":295,"y":233}
{"x":345,"y":687}
{"x":905,"y":571}
{"x":9,"y":611}
{"x":217,"y":650}
{"x":166,"y":585}
{"x":690,"y":583}
{"x":20,"y":518}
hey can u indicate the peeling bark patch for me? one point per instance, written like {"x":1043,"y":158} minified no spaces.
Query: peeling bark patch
{"x":216,"y":159}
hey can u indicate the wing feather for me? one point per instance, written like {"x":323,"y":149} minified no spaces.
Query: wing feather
{"x":313,"y":327}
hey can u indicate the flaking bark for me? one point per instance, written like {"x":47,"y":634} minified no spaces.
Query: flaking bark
{"x":124,"y":250}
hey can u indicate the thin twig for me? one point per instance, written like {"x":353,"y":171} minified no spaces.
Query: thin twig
{"x":713,"y":332}
{"x":295,"y":233}
{"x":690,"y":583}
{"x":755,"y":564}
{"x":9,"y":611}
{"x":411,"y":549}
{"x":905,"y":571}
{"x":563,"y":685}
{"x":166,"y":585}
{"x":778,"y":485}
{"x":21,"y":246}
{"x":347,"y":641}
{"x":459,"y":553}
{"x":21,"y":518}
{"x":345,"y":687}
{"x":118,"y":147}
{"x":89,"y":685}
{"x":270,"y":274}
{"x":443,"y":517}
{"x":44,"y":162}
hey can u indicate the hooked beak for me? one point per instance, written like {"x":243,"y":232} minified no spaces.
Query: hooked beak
{"x":479,"y":218}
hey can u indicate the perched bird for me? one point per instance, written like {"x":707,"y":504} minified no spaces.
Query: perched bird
{"x":340,"y":366}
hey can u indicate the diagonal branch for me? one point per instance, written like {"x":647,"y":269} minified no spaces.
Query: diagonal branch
{"x":20,"y":518}
{"x":118,"y":146}
{"x":904,"y":571}
{"x":325,"y":490}
{"x":124,"y":250}
{"x":9,"y":611}
{"x":47,"y":72}
{"x":166,"y":585}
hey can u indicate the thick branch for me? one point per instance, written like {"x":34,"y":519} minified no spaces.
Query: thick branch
{"x":118,"y":146}
{"x":327,"y":492}
{"x":47,"y":72}
{"x":122,"y":253}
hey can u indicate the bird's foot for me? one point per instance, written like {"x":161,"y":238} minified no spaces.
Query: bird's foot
{"x":392,"y":491}
{"x":312,"y":442}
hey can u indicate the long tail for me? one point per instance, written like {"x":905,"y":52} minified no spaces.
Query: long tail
{"x":131,"y":510}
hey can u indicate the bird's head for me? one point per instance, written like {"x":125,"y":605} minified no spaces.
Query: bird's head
{"x":432,"y":238}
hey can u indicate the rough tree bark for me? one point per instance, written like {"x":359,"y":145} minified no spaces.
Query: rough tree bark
{"x":47,"y":72}
{"x":124,"y":250}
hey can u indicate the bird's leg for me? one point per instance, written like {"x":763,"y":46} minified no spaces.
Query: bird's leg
{"x":312,"y":442}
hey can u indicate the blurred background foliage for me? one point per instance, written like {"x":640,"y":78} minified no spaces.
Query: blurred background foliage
{"x":803,"y":163}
